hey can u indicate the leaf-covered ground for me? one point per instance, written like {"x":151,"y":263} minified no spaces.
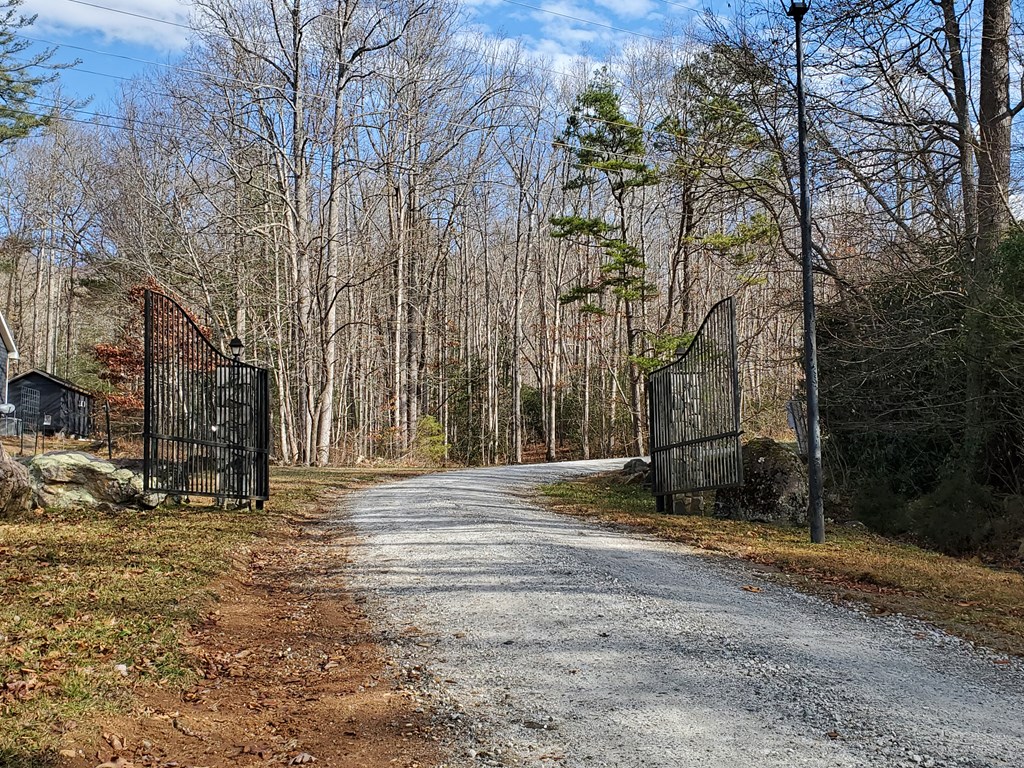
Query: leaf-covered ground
{"x":192,"y":636}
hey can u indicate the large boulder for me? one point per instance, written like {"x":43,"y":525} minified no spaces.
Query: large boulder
{"x":15,"y":488}
{"x":76,"y":480}
{"x":774,"y":486}
{"x":636,"y":472}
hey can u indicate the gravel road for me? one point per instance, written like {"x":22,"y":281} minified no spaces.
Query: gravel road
{"x":548,"y":641}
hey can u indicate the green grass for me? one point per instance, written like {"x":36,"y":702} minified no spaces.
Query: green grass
{"x":964,"y":596}
{"x":81,"y":593}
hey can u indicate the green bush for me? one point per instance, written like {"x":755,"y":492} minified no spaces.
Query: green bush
{"x":429,"y":445}
{"x":880,"y":508}
{"x":957,"y":517}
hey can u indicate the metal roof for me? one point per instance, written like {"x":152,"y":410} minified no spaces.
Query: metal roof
{"x":55,"y":379}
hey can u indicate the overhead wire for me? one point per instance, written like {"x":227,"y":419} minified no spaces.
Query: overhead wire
{"x":158,"y":130}
{"x":559,"y":14}
{"x":273,"y":86}
{"x":557,"y":144}
{"x":651,"y":132}
{"x":574,"y":18}
{"x":133,"y":14}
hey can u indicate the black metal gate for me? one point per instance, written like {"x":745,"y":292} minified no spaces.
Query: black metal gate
{"x":207,"y":416}
{"x":694,"y":404}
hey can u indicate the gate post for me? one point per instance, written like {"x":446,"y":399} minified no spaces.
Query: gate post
{"x":147,"y":394}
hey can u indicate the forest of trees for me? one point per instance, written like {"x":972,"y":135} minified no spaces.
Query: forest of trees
{"x":426,"y":232}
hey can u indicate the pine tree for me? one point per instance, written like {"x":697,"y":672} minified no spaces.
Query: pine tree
{"x":20,"y":78}
{"x":607,"y":155}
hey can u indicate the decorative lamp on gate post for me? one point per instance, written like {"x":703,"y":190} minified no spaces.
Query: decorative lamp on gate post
{"x":816,"y":514}
{"x":236,"y":346}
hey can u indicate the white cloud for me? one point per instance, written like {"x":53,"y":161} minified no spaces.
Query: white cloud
{"x":60,"y":19}
{"x":631,"y":9}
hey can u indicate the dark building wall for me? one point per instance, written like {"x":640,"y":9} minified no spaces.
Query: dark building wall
{"x":69,"y":411}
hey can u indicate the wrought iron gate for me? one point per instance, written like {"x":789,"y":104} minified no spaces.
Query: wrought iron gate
{"x":207,"y":416}
{"x":694,"y":407}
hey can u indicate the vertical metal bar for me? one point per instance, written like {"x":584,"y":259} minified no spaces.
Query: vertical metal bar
{"x":737,"y":396}
{"x":653,"y":438}
{"x":110,"y":441}
{"x":147,"y":399}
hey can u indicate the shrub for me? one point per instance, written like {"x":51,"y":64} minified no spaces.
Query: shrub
{"x":429,"y":445}
{"x":957,"y":517}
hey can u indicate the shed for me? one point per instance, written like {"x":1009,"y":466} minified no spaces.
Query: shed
{"x":8,"y":355}
{"x":62,"y":406}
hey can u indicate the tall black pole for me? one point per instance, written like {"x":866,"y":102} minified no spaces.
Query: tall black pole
{"x":815,"y":511}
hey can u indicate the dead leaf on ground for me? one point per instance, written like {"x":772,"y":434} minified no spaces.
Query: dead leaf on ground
{"x":751,"y":588}
{"x":302,"y":758}
{"x":1002,"y":661}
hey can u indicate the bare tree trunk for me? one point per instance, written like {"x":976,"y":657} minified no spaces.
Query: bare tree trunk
{"x":994,"y":123}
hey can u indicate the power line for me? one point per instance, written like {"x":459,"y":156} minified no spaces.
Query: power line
{"x":322,"y":156}
{"x":272,"y":86}
{"x":225,"y":37}
{"x":133,"y":14}
{"x":257,"y":84}
{"x":650,"y":132}
{"x":512,"y":2}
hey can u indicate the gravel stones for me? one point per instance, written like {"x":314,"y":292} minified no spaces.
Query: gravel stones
{"x":641,"y":652}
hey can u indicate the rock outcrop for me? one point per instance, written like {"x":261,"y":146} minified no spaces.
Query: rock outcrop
{"x":75,"y":480}
{"x":774,"y":486}
{"x":15,"y":487}
{"x":636,"y":472}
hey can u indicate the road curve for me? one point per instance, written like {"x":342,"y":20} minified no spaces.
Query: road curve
{"x":575,"y":645}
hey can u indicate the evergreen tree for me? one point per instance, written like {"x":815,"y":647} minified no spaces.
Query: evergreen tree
{"x":607,"y":156}
{"x":20,"y":79}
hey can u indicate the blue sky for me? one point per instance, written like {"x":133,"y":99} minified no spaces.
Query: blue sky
{"x":112,"y":43}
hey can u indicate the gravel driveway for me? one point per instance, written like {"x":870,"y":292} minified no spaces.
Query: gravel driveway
{"x":560,"y":643}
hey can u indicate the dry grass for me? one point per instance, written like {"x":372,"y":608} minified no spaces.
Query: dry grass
{"x":82,"y":593}
{"x":964,"y":596}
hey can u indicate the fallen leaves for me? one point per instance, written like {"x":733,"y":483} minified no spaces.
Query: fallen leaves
{"x":751,"y":588}
{"x":302,"y":758}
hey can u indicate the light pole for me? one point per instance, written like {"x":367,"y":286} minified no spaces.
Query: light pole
{"x":236,"y":346}
{"x":816,"y":512}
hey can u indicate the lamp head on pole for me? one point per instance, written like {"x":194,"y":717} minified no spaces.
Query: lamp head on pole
{"x":236,"y":346}
{"x":797,"y":9}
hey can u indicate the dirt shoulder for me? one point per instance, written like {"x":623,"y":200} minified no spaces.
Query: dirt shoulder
{"x":292,"y":673}
{"x":239,"y":643}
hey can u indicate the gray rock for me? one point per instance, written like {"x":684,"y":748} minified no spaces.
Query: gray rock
{"x":774,"y":486}
{"x":634,"y":466}
{"x":15,"y":488}
{"x":638,"y":478}
{"x":76,"y":480}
